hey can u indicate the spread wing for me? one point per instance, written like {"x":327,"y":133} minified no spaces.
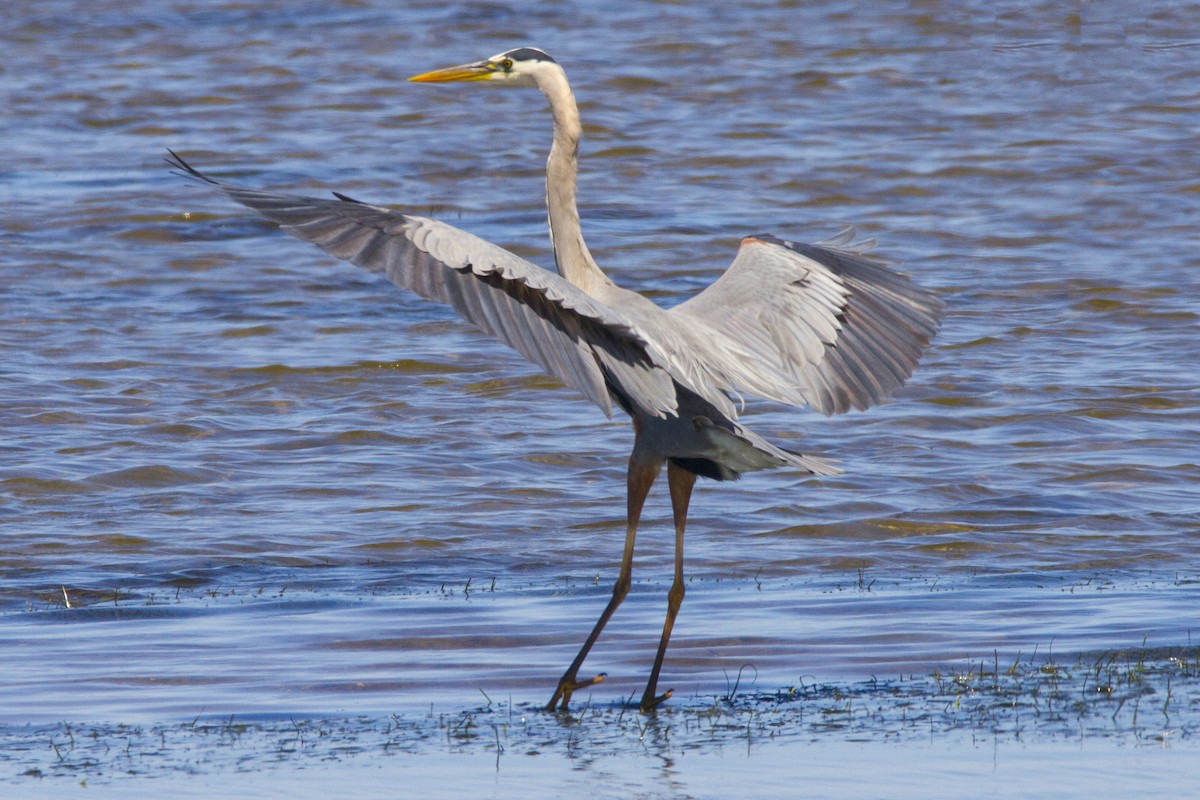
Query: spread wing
{"x":572,"y":336}
{"x":821,"y":324}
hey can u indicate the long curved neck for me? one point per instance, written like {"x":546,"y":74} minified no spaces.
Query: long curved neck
{"x":571,"y":254}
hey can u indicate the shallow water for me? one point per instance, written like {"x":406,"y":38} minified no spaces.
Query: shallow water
{"x":241,"y":479}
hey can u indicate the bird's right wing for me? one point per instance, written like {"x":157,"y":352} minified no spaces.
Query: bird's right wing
{"x":532,"y":310}
{"x":821,"y":325}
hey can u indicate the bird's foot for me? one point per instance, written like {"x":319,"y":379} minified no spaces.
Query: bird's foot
{"x":567,"y":687}
{"x":651,"y":702}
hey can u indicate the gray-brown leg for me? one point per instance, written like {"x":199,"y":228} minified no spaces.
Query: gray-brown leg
{"x":681,"y":482}
{"x":642,"y":472}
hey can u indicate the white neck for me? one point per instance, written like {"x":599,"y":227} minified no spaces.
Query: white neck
{"x":571,"y":254}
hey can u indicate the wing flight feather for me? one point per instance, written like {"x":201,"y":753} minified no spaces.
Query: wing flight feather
{"x":532,"y":310}
{"x":821,"y":324}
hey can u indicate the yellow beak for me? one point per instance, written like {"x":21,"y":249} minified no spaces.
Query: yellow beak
{"x":479,"y":71}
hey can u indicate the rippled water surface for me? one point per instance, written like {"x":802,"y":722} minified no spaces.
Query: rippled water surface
{"x":240,"y":478}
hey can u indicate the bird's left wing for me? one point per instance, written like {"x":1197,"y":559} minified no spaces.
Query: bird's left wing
{"x":532,"y":310}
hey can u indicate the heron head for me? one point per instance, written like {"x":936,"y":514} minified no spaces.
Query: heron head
{"x":519,"y":67}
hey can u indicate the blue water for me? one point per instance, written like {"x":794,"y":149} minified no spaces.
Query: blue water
{"x":267,"y":484}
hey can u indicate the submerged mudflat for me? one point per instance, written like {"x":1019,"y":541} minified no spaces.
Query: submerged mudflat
{"x":1136,"y":698}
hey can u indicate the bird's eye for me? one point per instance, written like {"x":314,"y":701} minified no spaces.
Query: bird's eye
{"x":507,"y":64}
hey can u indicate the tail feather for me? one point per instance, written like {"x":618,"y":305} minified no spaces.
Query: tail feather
{"x":733,"y":450}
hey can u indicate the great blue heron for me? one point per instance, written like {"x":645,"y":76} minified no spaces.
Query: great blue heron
{"x":816,"y":325}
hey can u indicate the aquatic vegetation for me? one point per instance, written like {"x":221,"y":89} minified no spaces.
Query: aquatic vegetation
{"x":1145,"y":696}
